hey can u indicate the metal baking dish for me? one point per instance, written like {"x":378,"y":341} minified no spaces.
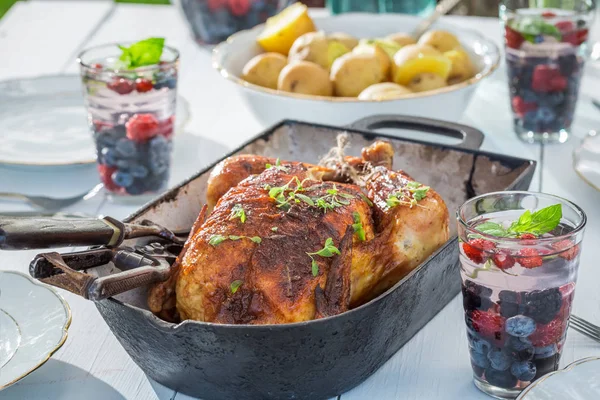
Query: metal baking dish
{"x":326,"y":357}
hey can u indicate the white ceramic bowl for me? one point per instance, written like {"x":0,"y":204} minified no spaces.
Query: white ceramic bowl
{"x":271,"y":106}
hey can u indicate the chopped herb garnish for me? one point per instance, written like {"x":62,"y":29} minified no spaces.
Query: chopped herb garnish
{"x":333,"y":199}
{"x":235,"y":285}
{"x":283,"y":199}
{"x":537,"y":223}
{"x":328,"y":250}
{"x":238,"y":212}
{"x":408,"y":195}
{"x":278,"y":166}
{"x":358,"y":227}
{"x":216,"y":240}
{"x":142,"y":53}
{"x":274,"y":229}
{"x":366,"y":200}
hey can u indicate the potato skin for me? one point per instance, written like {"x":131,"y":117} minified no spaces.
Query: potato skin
{"x":426,"y":81}
{"x":264,"y":69}
{"x":313,"y":47}
{"x":354,"y":72}
{"x":441,"y":40}
{"x":383,"y":91}
{"x":305,"y":77}
{"x":402,"y":38}
{"x":385,"y":63}
{"x":347,"y":40}
{"x":462,"y":67}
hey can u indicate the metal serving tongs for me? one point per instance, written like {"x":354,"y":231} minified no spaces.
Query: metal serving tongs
{"x":138,"y":266}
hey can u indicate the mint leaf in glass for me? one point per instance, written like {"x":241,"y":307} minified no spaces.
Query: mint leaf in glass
{"x":143,"y":53}
{"x":530,"y":27}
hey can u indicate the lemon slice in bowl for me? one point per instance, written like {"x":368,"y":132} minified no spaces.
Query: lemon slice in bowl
{"x":414,"y":59}
{"x":283,"y":29}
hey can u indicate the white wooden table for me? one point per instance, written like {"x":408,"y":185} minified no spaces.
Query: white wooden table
{"x":44,"y":37}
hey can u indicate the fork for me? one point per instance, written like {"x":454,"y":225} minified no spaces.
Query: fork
{"x":50,"y":203}
{"x":584,"y":327}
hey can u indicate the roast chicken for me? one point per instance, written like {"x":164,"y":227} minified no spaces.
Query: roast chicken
{"x":282,"y":242}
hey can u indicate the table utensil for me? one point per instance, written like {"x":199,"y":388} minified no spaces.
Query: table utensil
{"x":586,"y":160}
{"x":577,"y":381}
{"x":519,"y":260}
{"x":442,"y":8}
{"x":43,"y":123}
{"x":584,"y":327}
{"x":270,"y":106}
{"x":320,"y":350}
{"x":49,"y":203}
{"x":34,"y":320}
{"x":545,"y":50}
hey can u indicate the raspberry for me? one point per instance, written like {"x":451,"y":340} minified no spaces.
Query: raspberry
{"x":105,"y":177}
{"x":142,"y":127}
{"x":521,"y":107}
{"x":530,"y":258}
{"x":143,"y":85}
{"x":100,"y":126}
{"x":121,"y":85}
{"x":565,"y":26}
{"x":216,"y":4}
{"x":488,"y":325}
{"x":558,"y":84}
{"x":548,"y":14}
{"x":525,"y":236}
{"x":165,"y":127}
{"x":503,"y":260}
{"x":473,"y":249}
{"x":97,"y":66}
{"x":239,"y":7}
{"x":542,"y":78}
{"x":513,"y":38}
{"x":548,"y":334}
{"x":570,"y":249}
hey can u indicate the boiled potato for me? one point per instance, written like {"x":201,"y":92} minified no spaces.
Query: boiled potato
{"x":441,"y":40}
{"x":426,"y":81}
{"x":389,"y":46}
{"x":402,"y":38}
{"x":415,"y":59}
{"x":462,"y":67}
{"x":305,"y":77}
{"x":383,"y":91}
{"x":283,"y":29}
{"x":311,"y":47}
{"x":354,"y":72}
{"x":347,"y":40}
{"x":377,"y":52}
{"x":264,"y":69}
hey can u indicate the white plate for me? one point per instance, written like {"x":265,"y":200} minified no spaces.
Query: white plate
{"x":578,"y":381}
{"x":43,"y":122}
{"x":33,"y":324}
{"x":586,"y":159}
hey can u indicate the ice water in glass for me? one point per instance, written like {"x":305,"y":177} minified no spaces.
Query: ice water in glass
{"x":517,"y":291}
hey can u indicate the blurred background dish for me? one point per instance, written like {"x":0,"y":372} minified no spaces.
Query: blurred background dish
{"x":586,"y":159}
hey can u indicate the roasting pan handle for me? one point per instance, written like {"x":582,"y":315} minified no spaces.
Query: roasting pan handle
{"x":471,"y":138}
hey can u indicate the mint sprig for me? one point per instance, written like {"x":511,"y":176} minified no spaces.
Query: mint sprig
{"x":532,"y":27}
{"x":537,"y":223}
{"x":143,"y":53}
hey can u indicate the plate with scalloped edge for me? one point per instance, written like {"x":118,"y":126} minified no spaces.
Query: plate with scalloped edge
{"x":34,"y":320}
{"x":577,"y":381}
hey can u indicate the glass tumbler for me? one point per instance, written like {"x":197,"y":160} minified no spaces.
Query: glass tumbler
{"x":519,"y":256}
{"x":131,"y":113}
{"x":546,"y":44}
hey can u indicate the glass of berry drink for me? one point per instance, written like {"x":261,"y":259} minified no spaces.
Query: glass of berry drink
{"x":130,"y":94}
{"x":545,"y":51}
{"x":519,"y":256}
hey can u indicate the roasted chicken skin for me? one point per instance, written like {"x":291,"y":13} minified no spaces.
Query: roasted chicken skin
{"x":261,"y":270}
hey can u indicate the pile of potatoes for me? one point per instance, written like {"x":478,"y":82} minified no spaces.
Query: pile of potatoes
{"x":339,"y":64}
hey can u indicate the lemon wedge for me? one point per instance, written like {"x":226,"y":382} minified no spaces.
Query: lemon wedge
{"x":283,"y":29}
{"x":412,"y":60}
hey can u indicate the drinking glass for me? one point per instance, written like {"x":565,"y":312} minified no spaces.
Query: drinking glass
{"x":546,"y":44}
{"x":131,"y":113}
{"x":419,"y":7}
{"x":517,"y":287}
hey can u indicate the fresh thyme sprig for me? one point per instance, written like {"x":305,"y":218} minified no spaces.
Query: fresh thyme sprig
{"x":235,"y":285}
{"x":284,"y":195}
{"x":328,"y":250}
{"x":408,"y":195}
{"x":358,"y":227}
{"x":278,"y":166}
{"x":238,"y":212}
{"x":333,"y":199}
{"x":216,"y":240}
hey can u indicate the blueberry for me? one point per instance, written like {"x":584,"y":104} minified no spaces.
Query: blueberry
{"x":539,"y":39}
{"x":552,"y":99}
{"x":499,"y":360}
{"x":109,"y":137}
{"x":520,"y":326}
{"x":529,"y":96}
{"x":108,"y":156}
{"x":169,"y":82}
{"x":126,"y":148}
{"x":530,"y":121}
{"x":138,"y":171}
{"x":478,"y":344}
{"x":546,"y":351}
{"x":503,"y":379}
{"x":568,"y":64}
{"x":545,"y":115}
{"x":546,"y":365}
{"x":157,"y":182}
{"x":479,"y":359}
{"x":519,"y":349}
{"x":123,"y":179}
{"x":159,"y":155}
{"x":543,"y":305}
{"x":137,"y":187}
{"x":124,"y":164}
{"x":523,"y":370}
